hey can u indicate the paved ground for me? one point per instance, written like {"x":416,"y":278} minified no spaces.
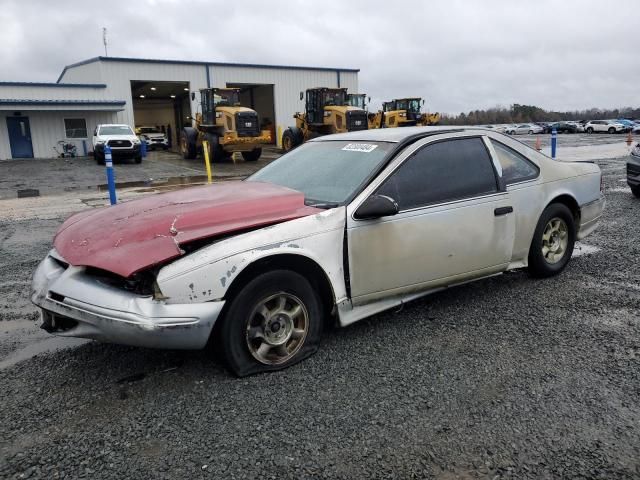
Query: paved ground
{"x":83,"y":175}
{"x":508,"y":377}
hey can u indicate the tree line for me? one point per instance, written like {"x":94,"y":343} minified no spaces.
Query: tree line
{"x":529,"y":113}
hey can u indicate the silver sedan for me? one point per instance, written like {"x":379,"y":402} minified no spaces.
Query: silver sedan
{"x":339,"y":229}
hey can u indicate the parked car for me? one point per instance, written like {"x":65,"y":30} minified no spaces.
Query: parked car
{"x":633,"y":171}
{"x":524,"y":128}
{"x":153,"y":138}
{"x":562,"y":127}
{"x":604,"y":126}
{"x":123,"y":142}
{"x":636,"y":128}
{"x":578,"y":125}
{"x":338,"y":229}
{"x":629,"y":124}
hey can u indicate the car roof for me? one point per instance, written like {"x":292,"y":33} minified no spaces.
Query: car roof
{"x":393,"y":135}
{"x":113,"y":125}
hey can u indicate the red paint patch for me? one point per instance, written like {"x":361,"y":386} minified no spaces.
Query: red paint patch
{"x":132,"y":236}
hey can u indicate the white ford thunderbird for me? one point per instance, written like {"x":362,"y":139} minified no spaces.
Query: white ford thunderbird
{"x":339,"y":229}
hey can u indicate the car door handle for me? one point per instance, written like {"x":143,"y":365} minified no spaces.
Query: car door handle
{"x":502,"y":211}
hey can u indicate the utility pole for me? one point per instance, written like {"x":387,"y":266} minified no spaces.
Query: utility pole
{"x":104,"y":40}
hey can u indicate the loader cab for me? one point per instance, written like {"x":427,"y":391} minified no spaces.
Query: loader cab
{"x":403,"y":111}
{"x":319,"y":98}
{"x":211,"y":98}
{"x":357,"y":100}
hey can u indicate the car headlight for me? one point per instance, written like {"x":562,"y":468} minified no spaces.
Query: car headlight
{"x":136,"y":141}
{"x":100,"y":142}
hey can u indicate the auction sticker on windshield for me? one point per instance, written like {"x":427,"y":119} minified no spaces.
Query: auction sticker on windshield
{"x":360,"y":147}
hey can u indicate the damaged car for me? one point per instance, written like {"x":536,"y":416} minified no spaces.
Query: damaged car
{"x":341,"y":228}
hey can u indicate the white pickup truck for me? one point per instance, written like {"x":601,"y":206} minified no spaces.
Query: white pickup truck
{"x":120,"y":138}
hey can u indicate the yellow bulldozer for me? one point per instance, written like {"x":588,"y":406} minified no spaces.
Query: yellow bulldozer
{"x":327,"y":110}
{"x":402,"y":112}
{"x":226,"y":126}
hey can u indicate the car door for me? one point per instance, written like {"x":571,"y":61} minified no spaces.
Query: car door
{"x":455,"y":221}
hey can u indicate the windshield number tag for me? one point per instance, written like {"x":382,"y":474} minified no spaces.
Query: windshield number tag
{"x":360,"y":147}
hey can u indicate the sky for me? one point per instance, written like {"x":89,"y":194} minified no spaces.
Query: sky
{"x":459,"y":55}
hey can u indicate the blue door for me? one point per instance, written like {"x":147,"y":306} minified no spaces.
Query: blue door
{"x":20,"y":137}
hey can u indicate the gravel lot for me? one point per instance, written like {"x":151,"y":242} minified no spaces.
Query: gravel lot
{"x":508,"y":377}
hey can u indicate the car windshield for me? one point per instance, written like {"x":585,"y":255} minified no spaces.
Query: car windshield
{"x":116,"y":130}
{"x":148,"y":130}
{"x":329,"y":173}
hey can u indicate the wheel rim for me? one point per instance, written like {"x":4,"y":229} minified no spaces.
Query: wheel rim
{"x":555,"y":240}
{"x":277,"y":328}
{"x":286,"y":143}
{"x":183,"y":144}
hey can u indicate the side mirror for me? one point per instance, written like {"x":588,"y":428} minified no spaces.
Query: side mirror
{"x":376,"y":206}
{"x":368,"y":99}
{"x":423,"y":101}
{"x":193,"y":96}
{"x":301,"y":95}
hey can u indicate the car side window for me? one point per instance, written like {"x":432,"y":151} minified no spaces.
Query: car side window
{"x":515,"y":167}
{"x":440,"y":172}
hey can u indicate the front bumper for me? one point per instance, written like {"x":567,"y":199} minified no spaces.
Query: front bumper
{"x":590,"y":214}
{"x":119,"y":153}
{"x":633,"y":168}
{"x":75,"y":304}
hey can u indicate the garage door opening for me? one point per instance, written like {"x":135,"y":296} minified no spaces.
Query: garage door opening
{"x":260,"y":98}
{"x":163,"y":105}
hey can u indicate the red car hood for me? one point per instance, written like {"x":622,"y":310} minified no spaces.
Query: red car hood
{"x":135,"y":235}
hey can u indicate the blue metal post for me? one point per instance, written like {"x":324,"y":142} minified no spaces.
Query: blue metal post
{"x":554,"y":142}
{"x":111,"y":181}
{"x":143,"y":148}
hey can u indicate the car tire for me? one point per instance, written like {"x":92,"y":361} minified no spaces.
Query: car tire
{"x":611,"y":130}
{"x":138,"y":159}
{"x":253,"y":155}
{"x":254,"y":342}
{"x":636,"y":191}
{"x":530,"y":132}
{"x":550,"y":250}
{"x":589,"y":130}
{"x":99,"y":158}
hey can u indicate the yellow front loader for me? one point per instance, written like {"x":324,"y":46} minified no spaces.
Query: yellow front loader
{"x":227,"y":127}
{"x":327,"y":111}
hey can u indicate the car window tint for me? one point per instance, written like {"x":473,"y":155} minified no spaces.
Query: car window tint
{"x":440,"y":172}
{"x":515,"y":167}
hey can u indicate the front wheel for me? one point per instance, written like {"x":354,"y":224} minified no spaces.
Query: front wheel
{"x":530,"y":132}
{"x":553,"y":241}
{"x":290,"y":140}
{"x":636,"y":191}
{"x":272,"y":323}
{"x":612,"y":130}
{"x":253,"y":155}
{"x":589,"y":130}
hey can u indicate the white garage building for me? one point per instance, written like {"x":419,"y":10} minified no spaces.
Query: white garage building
{"x":34,"y":117}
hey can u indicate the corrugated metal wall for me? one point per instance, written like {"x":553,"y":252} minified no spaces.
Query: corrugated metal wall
{"x":118,"y":77}
{"x":40,"y":92}
{"x":47,"y":128}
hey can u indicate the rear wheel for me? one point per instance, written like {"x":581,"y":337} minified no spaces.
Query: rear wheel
{"x":253,"y":155}
{"x":272,"y":323}
{"x":188,"y":140}
{"x":553,"y":241}
{"x":636,"y":191}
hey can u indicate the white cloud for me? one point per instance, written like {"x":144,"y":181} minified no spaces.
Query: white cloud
{"x":459,"y":55}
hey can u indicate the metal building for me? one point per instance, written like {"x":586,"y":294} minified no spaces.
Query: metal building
{"x":34,"y":117}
